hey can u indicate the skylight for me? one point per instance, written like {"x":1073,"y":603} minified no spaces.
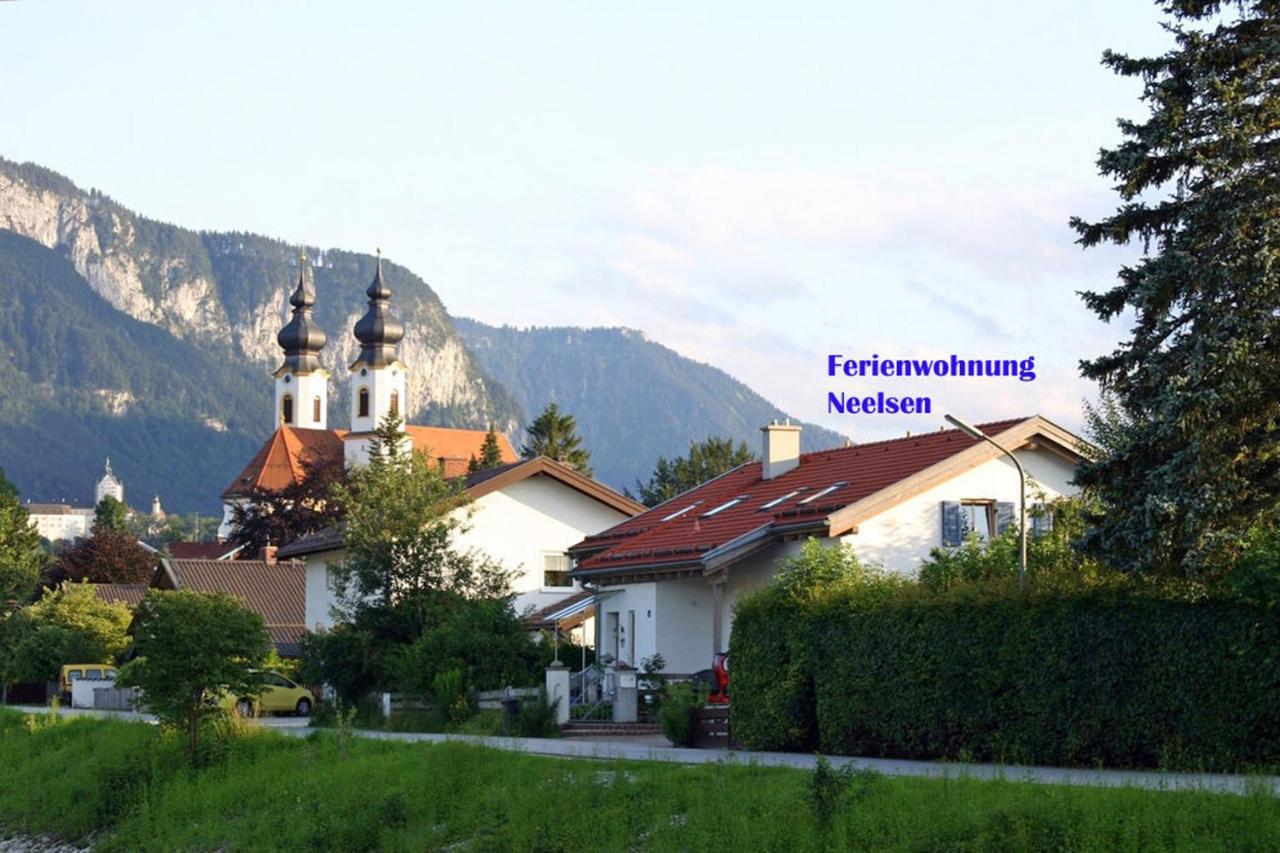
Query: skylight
{"x":788,"y":496}
{"x":824,"y":492}
{"x":681,"y":512}
{"x":739,"y":499}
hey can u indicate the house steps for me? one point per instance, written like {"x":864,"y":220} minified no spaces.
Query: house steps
{"x":598,"y":728}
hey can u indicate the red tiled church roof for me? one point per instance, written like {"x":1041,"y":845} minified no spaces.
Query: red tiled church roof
{"x":678,"y":533}
{"x":281,"y":461}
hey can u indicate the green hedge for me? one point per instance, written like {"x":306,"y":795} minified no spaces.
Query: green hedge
{"x":1101,"y":677}
{"x":772,"y":690}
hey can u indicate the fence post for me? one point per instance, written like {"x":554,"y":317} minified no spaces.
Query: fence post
{"x":558,"y":689}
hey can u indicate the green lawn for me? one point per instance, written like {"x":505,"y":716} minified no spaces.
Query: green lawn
{"x":125,"y":784}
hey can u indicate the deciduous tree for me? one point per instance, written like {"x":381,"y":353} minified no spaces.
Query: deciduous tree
{"x":193,"y":649}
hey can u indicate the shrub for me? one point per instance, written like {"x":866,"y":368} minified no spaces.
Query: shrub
{"x":536,"y":717}
{"x":676,"y":714}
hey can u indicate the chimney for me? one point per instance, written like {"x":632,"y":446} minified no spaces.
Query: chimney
{"x":781,"y":449}
{"x":268,"y":554}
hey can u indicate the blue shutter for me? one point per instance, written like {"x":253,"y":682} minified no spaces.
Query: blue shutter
{"x":1004,"y":516}
{"x":952,"y":531}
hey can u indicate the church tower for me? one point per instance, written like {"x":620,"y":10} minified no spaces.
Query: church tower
{"x":302,"y":385}
{"x":108,"y":486}
{"x":377,"y":375}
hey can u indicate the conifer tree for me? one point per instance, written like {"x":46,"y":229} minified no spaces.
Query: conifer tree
{"x":554,"y":434}
{"x":706,"y":459}
{"x":1194,"y":460}
{"x":490,"y":451}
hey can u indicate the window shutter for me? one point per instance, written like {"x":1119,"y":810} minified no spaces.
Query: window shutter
{"x":952,"y":531}
{"x":1004,"y":516}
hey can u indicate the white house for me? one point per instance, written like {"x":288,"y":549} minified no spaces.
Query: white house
{"x":524,"y":515}
{"x":666,"y":580}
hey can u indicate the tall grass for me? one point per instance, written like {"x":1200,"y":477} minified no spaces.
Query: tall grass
{"x":127,"y":783}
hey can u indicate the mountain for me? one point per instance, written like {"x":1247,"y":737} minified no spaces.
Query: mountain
{"x":154,"y":344}
{"x":82,"y":380}
{"x":204,"y":306}
{"x":633,"y":399}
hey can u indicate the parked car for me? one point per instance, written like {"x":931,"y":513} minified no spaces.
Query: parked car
{"x":279,"y":695}
{"x":104,"y":672}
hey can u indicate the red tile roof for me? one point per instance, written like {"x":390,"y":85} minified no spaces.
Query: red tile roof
{"x":280,"y":462}
{"x":679,"y":534}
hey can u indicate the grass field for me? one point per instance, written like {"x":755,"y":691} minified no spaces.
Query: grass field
{"x":123,"y":786}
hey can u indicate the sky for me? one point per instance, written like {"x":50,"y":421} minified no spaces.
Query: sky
{"x":756,"y":185}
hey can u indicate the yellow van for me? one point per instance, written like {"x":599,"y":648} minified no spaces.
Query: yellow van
{"x":77,"y":671}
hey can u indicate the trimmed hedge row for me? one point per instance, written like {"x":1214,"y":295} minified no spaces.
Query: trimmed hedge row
{"x":1064,"y":678}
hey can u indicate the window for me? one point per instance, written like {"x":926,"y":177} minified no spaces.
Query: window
{"x":363,"y":410}
{"x":555,"y":570}
{"x":977,"y":517}
{"x":395,"y":402}
{"x":681,"y":512}
{"x":981,"y":517}
{"x":823,"y":492}
{"x":788,"y":496}
{"x":286,"y":409}
{"x":739,"y":499}
{"x":315,"y":410}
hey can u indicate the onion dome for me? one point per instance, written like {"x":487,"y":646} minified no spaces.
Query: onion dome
{"x":378,"y":331}
{"x":301,"y":338}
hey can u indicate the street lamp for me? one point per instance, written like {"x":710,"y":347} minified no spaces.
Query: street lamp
{"x":974,"y":432}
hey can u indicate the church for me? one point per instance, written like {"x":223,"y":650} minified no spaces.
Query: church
{"x":524,"y":513}
{"x":378,"y":388}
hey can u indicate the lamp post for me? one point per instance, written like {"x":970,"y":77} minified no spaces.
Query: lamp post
{"x":974,"y":432}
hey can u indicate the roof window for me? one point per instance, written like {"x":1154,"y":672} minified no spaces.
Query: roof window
{"x":824,"y":492}
{"x":788,"y":496}
{"x":681,"y":512}
{"x":739,"y":499}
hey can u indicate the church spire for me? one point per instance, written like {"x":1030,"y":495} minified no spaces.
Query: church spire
{"x":302,"y":384}
{"x":301,"y":339}
{"x":378,"y":330}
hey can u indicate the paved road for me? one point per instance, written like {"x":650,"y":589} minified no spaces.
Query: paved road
{"x":646,"y":750}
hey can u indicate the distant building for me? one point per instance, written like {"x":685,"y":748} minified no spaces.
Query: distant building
{"x":108,"y":485}
{"x":60,"y":521}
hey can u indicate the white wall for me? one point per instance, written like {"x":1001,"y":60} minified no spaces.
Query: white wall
{"x":633,"y":600}
{"x":516,"y":526}
{"x":320,"y":598}
{"x":304,"y":388}
{"x":65,"y":526}
{"x":520,"y":523}
{"x":900,"y":538}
